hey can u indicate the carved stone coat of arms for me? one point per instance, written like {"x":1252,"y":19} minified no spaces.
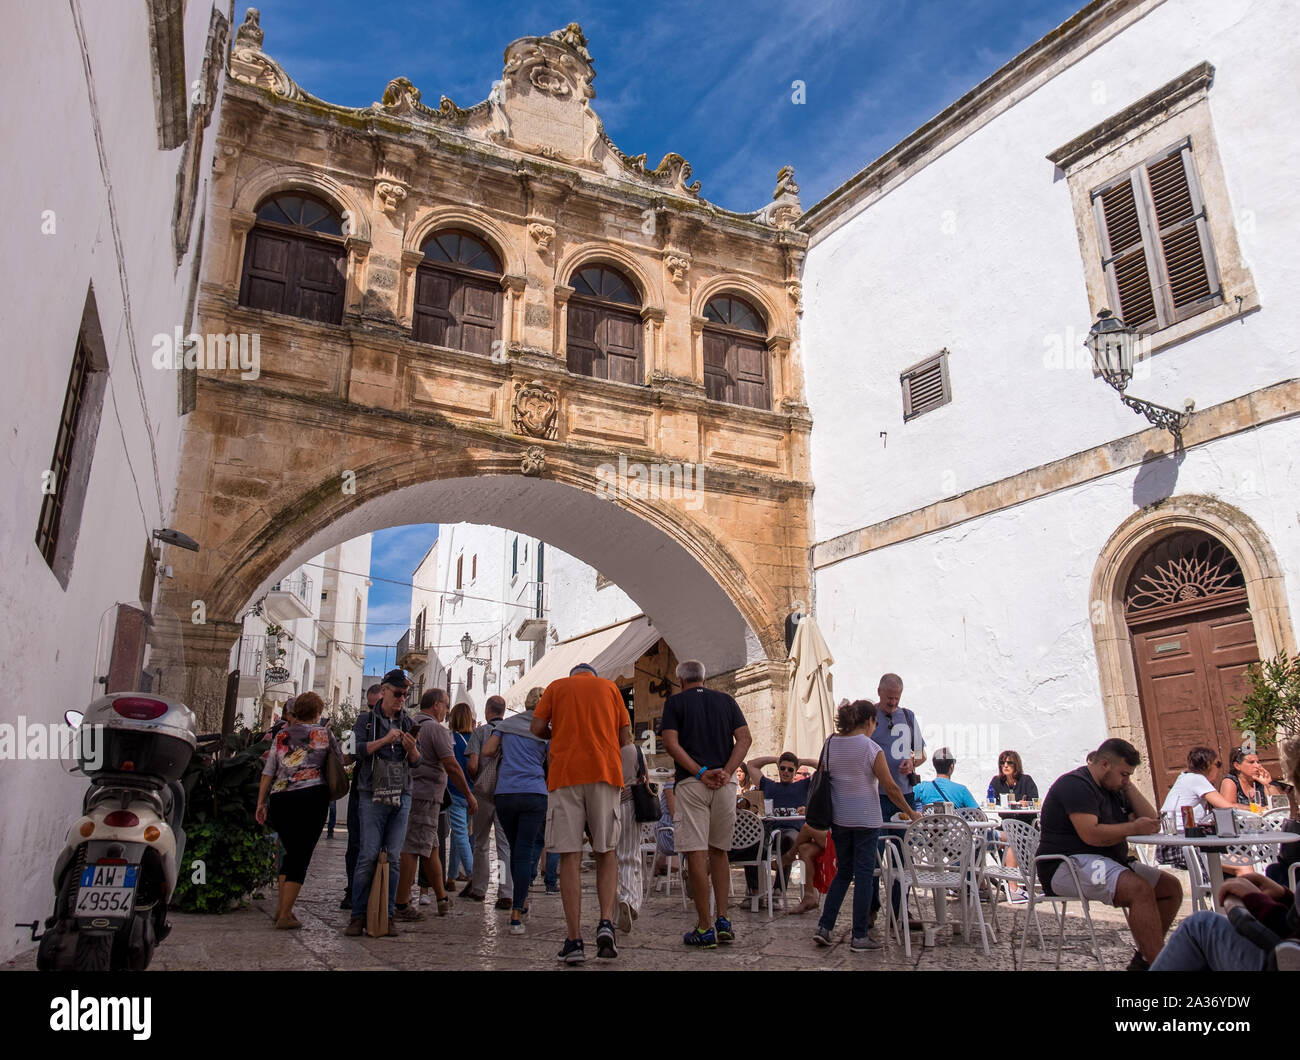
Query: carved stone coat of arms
{"x":535,"y":412}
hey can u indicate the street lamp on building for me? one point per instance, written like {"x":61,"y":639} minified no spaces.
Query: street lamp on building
{"x":467,"y":645}
{"x":1112,"y":344}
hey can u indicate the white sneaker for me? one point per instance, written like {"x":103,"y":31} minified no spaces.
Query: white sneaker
{"x":424,"y":897}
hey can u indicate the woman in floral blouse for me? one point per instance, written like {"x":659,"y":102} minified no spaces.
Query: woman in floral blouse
{"x":294,"y":778}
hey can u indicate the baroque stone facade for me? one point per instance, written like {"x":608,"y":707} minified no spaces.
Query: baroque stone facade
{"x":531,"y":174}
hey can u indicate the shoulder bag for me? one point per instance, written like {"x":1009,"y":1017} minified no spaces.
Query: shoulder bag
{"x":645,"y":807}
{"x":818,"y":813}
{"x":485,"y":784}
{"x":336,"y":777}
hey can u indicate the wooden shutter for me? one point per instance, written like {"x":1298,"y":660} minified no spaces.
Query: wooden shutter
{"x":320,"y":281}
{"x":751,"y":375}
{"x":480,"y":315}
{"x":1125,"y":255}
{"x":622,"y":347}
{"x":1156,"y":248}
{"x":718,"y":384}
{"x":584,"y":356}
{"x":266,"y":271}
{"x":432,"y":317}
{"x":1183,"y":234}
{"x":925,"y":386}
{"x":460,"y":571}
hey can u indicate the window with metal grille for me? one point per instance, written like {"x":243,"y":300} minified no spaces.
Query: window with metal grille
{"x":1155,"y":242}
{"x":63,"y":484}
{"x":926,"y":386}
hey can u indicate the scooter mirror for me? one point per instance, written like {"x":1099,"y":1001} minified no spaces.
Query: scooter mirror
{"x":73,"y":718}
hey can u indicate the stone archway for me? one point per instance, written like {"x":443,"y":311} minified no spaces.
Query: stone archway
{"x":270,"y":480}
{"x":1265,"y":594}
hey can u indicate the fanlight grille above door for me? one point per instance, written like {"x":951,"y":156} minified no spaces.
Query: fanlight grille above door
{"x":1182,"y":568}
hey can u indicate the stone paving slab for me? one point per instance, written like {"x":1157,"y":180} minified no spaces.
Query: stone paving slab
{"x":475,"y":936}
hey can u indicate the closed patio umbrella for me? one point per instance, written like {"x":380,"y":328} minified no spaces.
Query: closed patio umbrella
{"x":810,"y":710}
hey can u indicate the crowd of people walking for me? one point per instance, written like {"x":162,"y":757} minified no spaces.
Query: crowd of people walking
{"x":431,"y":791}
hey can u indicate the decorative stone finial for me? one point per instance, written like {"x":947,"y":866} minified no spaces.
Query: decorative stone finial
{"x":250,"y":33}
{"x":573,"y":36}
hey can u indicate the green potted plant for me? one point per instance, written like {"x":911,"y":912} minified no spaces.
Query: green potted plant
{"x":1271,"y":709}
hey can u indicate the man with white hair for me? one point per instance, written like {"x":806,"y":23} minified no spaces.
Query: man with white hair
{"x":707,"y":737}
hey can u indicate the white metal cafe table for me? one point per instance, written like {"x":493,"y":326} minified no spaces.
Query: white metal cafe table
{"x":1214,"y":846}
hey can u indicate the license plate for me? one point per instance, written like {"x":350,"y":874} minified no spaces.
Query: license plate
{"x":107,"y":891}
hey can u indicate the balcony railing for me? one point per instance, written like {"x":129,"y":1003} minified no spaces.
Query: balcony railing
{"x":250,"y":667}
{"x":289,"y":599}
{"x":412,"y":648}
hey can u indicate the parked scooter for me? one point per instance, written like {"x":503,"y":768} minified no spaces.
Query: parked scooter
{"x":117,"y":872}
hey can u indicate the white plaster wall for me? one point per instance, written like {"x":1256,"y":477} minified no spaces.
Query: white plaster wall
{"x":48,"y":635}
{"x":1006,"y":285}
{"x":497,"y":600}
{"x":988,"y":622}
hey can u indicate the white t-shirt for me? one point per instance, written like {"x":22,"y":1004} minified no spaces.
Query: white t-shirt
{"x":1189,"y":789}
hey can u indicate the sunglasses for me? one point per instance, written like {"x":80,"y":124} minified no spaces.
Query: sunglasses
{"x":399,"y":693}
{"x":785,"y":769}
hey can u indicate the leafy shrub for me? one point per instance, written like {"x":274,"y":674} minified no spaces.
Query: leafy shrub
{"x":238,"y":855}
{"x":1273,"y":703}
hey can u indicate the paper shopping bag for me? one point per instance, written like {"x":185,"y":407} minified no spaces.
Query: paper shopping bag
{"x":377,"y":907}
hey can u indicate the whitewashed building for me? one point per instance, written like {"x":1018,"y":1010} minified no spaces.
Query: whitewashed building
{"x":1042,"y":566}
{"x":340,"y":646}
{"x":512,"y":595}
{"x":104,"y":186}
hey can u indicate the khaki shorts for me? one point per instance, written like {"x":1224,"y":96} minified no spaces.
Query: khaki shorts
{"x":1099,"y":876}
{"x":590,"y":806}
{"x":422,"y":827}
{"x":705,"y":818}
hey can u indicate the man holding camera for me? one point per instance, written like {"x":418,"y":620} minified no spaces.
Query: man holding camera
{"x":385,"y":752}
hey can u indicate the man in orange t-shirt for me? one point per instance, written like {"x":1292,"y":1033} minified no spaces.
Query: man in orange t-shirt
{"x":584,"y":717}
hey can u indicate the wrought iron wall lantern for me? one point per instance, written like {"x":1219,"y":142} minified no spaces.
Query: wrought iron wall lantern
{"x":1112,"y":344}
{"x":467,"y":645}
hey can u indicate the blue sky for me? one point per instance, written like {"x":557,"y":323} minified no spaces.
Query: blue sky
{"x":713,"y":82}
{"x":709,"y":81}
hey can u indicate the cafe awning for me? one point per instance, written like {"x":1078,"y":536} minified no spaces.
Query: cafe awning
{"x":613,"y":651}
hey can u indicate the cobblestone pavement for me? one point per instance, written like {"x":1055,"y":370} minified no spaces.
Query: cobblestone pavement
{"x":475,"y":936}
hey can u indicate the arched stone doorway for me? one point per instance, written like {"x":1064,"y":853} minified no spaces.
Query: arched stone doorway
{"x":1184,"y":597}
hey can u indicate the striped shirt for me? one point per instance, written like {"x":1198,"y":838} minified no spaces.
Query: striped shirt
{"x":855,"y":795}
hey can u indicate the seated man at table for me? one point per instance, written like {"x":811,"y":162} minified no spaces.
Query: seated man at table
{"x":787,"y":793}
{"x":943,"y":788}
{"x":1088,"y":815}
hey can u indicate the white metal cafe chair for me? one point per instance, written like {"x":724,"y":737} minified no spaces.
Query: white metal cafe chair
{"x":675,"y":864}
{"x":1024,"y":840}
{"x":889,"y":868}
{"x":748,"y":832}
{"x":648,"y":848}
{"x":939,"y":855}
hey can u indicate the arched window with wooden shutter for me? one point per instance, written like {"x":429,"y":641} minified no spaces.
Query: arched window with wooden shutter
{"x":457,"y":293}
{"x":736,"y":359}
{"x":1155,"y":240}
{"x":294,"y":260}
{"x":604,"y":331}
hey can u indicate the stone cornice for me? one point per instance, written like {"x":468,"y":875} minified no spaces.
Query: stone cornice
{"x":253,"y":105}
{"x":1281,"y":401}
{"x":670,"y":394}
{"x":334,"y":413}
{"x":1195,"y":81}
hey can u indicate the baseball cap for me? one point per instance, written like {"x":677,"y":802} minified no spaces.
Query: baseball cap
{"x":397,"y":679}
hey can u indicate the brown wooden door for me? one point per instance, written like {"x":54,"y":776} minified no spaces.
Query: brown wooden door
{"x":1191,"y":665}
